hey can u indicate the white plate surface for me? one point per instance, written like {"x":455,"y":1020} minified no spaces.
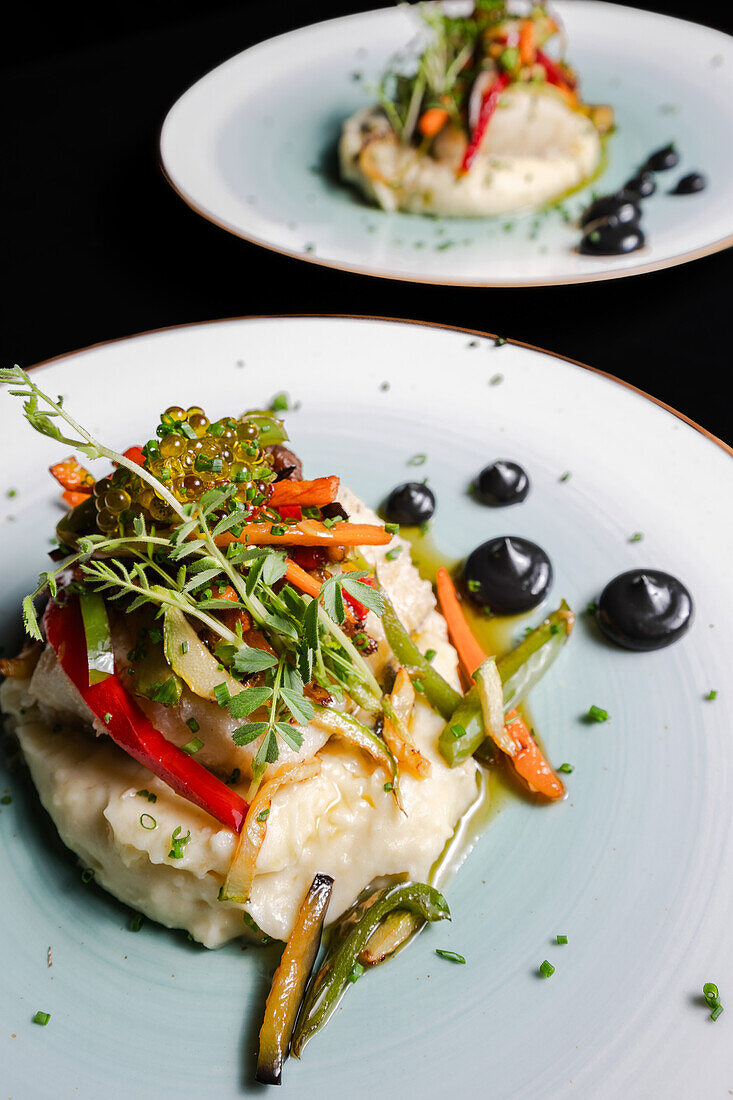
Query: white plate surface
{"x":251,"y":147}
{"x":635,"y":867}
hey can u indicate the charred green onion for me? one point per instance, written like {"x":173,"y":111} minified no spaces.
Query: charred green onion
{"x":349,"y":938}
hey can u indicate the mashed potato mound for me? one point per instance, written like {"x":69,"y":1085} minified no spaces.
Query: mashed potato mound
{"x":340,"y":822}
{"x":535,"y":149}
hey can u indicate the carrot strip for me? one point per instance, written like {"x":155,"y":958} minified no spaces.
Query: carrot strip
{"x":528,"y":760}
{"x":301,"y":579}
{"x":308,"y":533}
{"x":73,"y":498}
{"x":432,"y":121}
{"x":305,"y":493}
{"x":470,"y":653}
{"x":72,"y":476}
{"x":527,"y":40}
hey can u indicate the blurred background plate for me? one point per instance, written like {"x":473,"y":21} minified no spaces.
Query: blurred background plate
{"x":634,"y":866}
{"x":251,"y":146}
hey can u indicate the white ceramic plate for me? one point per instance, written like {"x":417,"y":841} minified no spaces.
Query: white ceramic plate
{"x":635,"y":867}
{"x":251,"y":147}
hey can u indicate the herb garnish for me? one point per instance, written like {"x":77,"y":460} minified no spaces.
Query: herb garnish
{"x":597,"y":714}
{"x":451,"y":956}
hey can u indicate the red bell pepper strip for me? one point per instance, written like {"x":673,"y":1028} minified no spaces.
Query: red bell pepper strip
{"x":553,"y":72}
{"x":488,"y":105}
{"x":136,"y":455}
{"x":131,"y":729}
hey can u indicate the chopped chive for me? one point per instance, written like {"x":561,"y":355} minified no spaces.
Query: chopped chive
{"x":474,"y":586}
{"x":710,"y":993}
{"x":499,"y":341}
{"x":712,"y":694}
{"x":597,"y":714}
{"x":458,"y":730}
{"x":547,"y":969}
{"x":42,"y":1018}
{"x":417,"y":460}
{"x":566,"y":768}
{"x":555,"y":628}
{"x":192,"y":746}
{"x":87,"y":875}
{"x":636,"y":537}
{"x":392,"y":528}
{"x":496,"y":380}
{"x":418,"y":686}
{"x":193,"y":725}
{"x":108,"y":717}
{"x":184,"y":648}
{"x":280,"y":403}
{"x":451,"y":956}
{"x":394,"y":553}
{"x":429,"y":654}
{"x":716,"y":1011}
{"x":562,"y":939}
{"x":145,"y":793}
{"x":263,"y":814}
{"x":144,"y":818}
{"x":137,"y":922}
{"x":388,"y":787}
{"x":221,"y":694}
{"x":178,"y":843}
{"x":356,"y":972}
{"x":566,"y":476}
{"x":276,"y":529}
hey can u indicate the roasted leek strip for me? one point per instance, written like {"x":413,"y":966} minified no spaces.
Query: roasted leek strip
{"x":290,"y":980}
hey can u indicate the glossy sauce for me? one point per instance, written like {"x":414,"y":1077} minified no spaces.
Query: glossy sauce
{"x":610,"y":223}
{"x":497,"y":634}
{"x":690,"y":184}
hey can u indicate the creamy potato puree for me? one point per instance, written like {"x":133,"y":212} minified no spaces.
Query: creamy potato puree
{"x":535,"y":149}
{"x":341,"y":822}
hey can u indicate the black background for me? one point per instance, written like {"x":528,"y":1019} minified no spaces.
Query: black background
{"x":98,"y":246}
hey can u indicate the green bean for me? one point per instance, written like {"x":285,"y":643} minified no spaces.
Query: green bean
{"x":519,"y":670}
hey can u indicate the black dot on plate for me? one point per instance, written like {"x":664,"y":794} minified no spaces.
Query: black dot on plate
{"x":644,"y":609}
{"x":411,"y":504}
{"x":508,"y":574}
{"x":502,"y":483}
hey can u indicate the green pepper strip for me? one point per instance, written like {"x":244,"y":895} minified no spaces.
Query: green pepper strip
{"x":331,"y":981}
{"x":519,"y":670}
{"x":356,"y":733}
{"x":100,"y":657}
{"x":438,"y":691}
{"x":394,"y":932}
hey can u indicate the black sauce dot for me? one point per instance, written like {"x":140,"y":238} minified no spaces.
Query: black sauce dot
{"x":690,"y":185}
{"x":412,"y":504}
{"x":663,"y":159}
{"x":501,"y":483}
{"x":644,"y":609}
{"x":508,"y":574}
{"x":622,"y":205}
{"x":611,"y":238}
{"x":641,"y":186}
